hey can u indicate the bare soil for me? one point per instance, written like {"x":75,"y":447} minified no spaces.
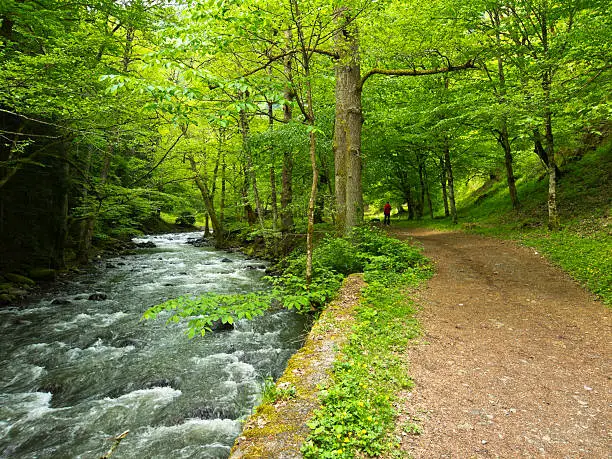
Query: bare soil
{"x":515,"y":357}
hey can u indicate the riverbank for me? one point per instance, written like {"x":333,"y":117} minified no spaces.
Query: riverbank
{"x":278,"y":426}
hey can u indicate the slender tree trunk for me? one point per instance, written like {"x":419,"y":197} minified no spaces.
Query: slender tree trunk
{"x":287,"y":171}
{"x":208,"y":203}
{"x":248,"y":209}
{"x":443,"y":185}
{"x":451,"y":182}
{"x":547,"y":76}
{"x":553,"y":212}
{"x":427,"y":193}
{"x":504,"y":137}
{"x":504,"y":140}
{"x":347,"y":126}
{"x":222,"y":197}
{"x":310,"y":120}
{"x":409,"y":202}
{"x":246,"y":145}
{"x":421,"y":206}
{"x":88,"y":226}
{"x":273,"y":197}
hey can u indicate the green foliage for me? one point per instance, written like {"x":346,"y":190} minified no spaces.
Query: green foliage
{"x":186,"y":218}
{"x":272,"y":393}
{"x":203,"y":312}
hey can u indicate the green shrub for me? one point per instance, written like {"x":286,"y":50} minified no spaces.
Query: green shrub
{"x":185,"y":219}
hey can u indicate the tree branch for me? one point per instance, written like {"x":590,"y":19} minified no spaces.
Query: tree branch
{"x":414,"y":72}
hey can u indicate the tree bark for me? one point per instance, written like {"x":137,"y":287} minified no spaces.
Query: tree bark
{"x":547,"y":76}
{"x":218,"y":232}
{"x":451,"y":182}
{"x":347,"y":126}
{"x":287,"y":170}
{"x":273,"y":197}
{"x":443,"y":185}
{"x":310,"y":121}
{"x":246,"y":145}
{"x":504,"y":137}
{"x":421,"y":204}
{"x":427,"y":193}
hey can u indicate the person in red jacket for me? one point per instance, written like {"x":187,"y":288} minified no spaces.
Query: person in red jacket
{"x":387,"y":210}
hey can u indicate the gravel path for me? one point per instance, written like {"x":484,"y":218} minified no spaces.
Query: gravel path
{"x":515,"y":357}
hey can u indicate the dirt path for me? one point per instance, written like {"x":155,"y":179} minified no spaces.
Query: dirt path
{"x":515,"y":359}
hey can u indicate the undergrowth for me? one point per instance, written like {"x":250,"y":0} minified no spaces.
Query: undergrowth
{"x":357,"y":414}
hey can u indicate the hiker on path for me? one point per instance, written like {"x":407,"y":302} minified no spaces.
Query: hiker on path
{"x":387,"y":211}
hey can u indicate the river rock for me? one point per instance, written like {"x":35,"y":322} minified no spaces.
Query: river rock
{"x":219,"y":326}
{"x":98,"y":296}
{"x":198,"y":242}
{"x":146,"y":245}
{"x":226,"y":260}
{"x":60,"y":301}
{"x":163,"y":382}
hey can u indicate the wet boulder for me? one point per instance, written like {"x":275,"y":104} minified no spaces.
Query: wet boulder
{"x":98,"y":296}
{"x":60,"y":301}
{"x":219,"y":326}
{"x":146,"y":245}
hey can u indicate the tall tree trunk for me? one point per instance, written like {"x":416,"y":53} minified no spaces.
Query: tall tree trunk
{"x":547,"y":76}
{"x":287,"y":171}
{"x":208,"y":202}
{"x":553,"y":212}
{"x":427,"y":193}
{"x":222,"y":197}
{"x":451,"y":182}
{"x":248,"y":209}
{"x":421,"y":206}
{"x":347,"y":126}
{"x":409,"y":202}
{"x":246,"y":145}
{"x":504,"y":137}
{"x":206,"y":226}
{"x":273,"y":197}
{"x":88,"y":226}
{"x":310,"y":120}
{"x":504,"y":141}
{"x":443,"y":185}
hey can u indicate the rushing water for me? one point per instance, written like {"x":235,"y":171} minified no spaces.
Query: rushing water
{"x":75,"y":375}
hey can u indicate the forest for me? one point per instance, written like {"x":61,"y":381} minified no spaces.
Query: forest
{"x":265,"y":119}
{"x":283,"y":128}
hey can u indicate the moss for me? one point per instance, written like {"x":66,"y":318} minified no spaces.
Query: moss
{"x":280,"y":426}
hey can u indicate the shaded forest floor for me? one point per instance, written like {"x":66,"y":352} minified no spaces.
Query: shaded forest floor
{"x":515,"y":356}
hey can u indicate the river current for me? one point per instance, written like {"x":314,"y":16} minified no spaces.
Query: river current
{"x":79,"y":367}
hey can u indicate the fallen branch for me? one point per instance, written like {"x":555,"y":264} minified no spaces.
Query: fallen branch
{"x":117,"y":439}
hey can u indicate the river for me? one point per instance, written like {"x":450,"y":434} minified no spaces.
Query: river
{"x":78,"y":366}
